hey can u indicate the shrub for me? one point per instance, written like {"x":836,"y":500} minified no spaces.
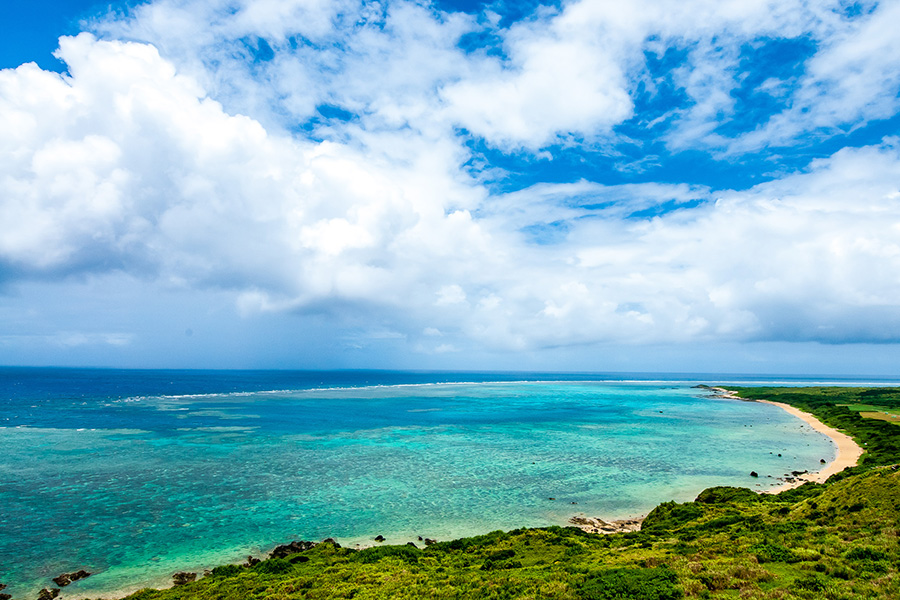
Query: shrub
{"x":720,"y":494}
{"x":226,"y":571}
{"x":865,"y":553}
{"x":810,"y":583}
{"x":273,"y":566}
{"x":632,"y":584}
{"x":671,"y":515}
{"x":767,"y":552}
{"x":408,"y":554}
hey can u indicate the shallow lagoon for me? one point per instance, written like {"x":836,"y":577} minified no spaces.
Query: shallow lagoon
{"x":135,"y":487}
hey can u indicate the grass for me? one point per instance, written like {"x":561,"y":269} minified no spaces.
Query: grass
{"x":881,"y":413}
{"x":837,"y":541}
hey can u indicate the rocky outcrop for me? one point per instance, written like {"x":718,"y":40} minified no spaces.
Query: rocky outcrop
{"x":48,"y":593}
{"x":295,"y":547}
{"x":67,"y":578}
{"x":331,"y":541}
{"x":183,"y":578}
{"x":594,"y":525}
{"x":379,"y":538}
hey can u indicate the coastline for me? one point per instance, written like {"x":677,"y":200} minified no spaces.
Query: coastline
{"x":848,"y":451}
{"x":847,"y":455}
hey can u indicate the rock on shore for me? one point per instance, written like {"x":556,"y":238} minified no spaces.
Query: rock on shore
{"x":67,"y":578}
{"x":595,"y":525}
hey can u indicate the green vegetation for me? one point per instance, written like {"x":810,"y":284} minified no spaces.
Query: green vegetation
{"x":836,"y":541}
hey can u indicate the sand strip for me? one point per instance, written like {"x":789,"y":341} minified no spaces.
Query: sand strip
{"x":848,"y":455}
{"x":848,"y":451}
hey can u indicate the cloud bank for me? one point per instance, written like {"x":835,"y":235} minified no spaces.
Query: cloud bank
{"x":395,"y":164}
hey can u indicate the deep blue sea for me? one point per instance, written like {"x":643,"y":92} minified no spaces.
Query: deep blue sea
{"x":134,"y":475}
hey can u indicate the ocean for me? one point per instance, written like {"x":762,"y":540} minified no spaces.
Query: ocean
{"x":134,"y":475}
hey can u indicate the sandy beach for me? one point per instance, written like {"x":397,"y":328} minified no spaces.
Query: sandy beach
{"x":848,"y":451}
{"x":848,"y":455}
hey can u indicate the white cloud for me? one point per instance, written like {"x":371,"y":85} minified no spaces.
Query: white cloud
{"x":145,"y":163}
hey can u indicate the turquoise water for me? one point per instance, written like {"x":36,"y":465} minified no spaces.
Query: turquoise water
{"x":136,"y":487}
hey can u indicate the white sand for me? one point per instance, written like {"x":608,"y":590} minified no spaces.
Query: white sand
{"x":848,"y":451}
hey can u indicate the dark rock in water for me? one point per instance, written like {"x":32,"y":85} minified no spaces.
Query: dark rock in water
{"x":420,"y":538}
{"x":67,"y":578}
{"x":795,"y":473}
{"x":754,"y":474}
{"x":3,"y":585}
{"x":5,"y":596}
{"x":379,"y":538}
{"x":48,"y":594}
{"x":429,"y":541}
{"x":252,"y":560}
{"x":294,"y":547}
{"x":183,"y":578}
{"x":551,"y":498}
{"x":299,"y":558}
{"x":779,"y":455}
{"x":411,"y":544}
{"x":822,"y":460}
{"x":331,"y":541}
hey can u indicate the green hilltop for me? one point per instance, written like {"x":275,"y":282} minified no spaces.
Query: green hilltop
{"x":837,"y":541}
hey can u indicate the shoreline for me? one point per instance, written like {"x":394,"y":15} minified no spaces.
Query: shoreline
{"x":848,"y":452}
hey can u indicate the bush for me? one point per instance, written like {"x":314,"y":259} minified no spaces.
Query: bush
{"x":226,"y":571}
{"x":767,"y":552}
{"x":671,"y":515}
{"x":632,"y":584}
{"x":810,"y":583}
{"x":273,"y":566}
{"x":408,"y":554}
{"x":718,"y":495}
{"x":865,"y":553}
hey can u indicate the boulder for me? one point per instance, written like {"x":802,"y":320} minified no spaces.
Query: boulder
{"x":429,"y":541}
{"x":295,"y":547}
{"x":411,"y":544}
{"x":331,"y":541}
{"x":183,"y":578}
{"x":754,"y":474}
{"x":48,"y":594}
{"x":67,"y":578}
{"x":5,"y":597}
{"x":379,"y":538}
{"x":252,"y":560}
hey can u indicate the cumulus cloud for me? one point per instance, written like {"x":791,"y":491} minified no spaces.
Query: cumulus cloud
{"x":317,"y":157}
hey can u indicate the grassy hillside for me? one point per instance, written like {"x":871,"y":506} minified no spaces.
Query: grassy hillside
{"x":835,"y":541}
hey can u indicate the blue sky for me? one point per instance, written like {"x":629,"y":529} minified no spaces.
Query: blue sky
{"x":582,"y":185}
